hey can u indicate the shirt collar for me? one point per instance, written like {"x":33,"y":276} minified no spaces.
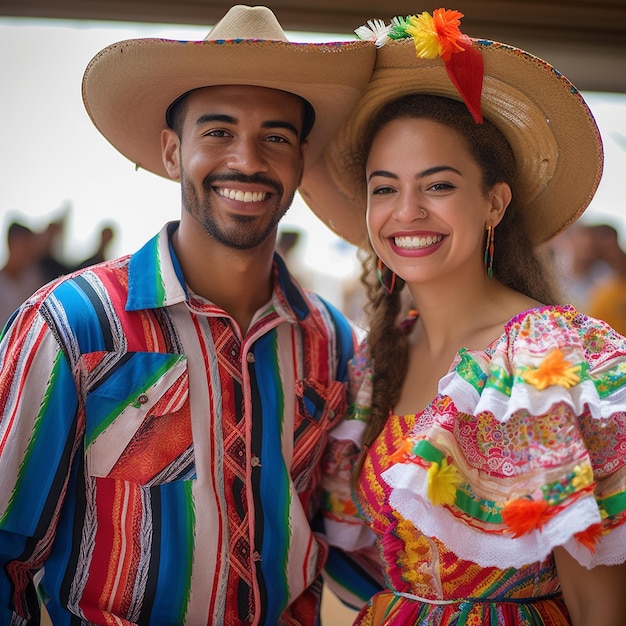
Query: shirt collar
{"x":154,"y":276}
{"x":155,"y":279}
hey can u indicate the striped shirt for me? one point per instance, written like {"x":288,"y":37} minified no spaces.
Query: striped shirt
{"x":163,"y":468}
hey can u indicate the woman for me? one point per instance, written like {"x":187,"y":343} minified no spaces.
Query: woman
{"x":493,"y":471}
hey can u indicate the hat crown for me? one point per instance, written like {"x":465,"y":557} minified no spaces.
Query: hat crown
{"x":245,"y":22}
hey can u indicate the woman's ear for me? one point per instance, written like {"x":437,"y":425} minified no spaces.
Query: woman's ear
{"x":500,"y":197}
{"x":170,"y":152}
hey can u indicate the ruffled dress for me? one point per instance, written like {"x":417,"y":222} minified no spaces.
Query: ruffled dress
{"x":522,"y":450}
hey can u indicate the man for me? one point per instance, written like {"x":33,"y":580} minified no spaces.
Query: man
{"x":164,"y":415}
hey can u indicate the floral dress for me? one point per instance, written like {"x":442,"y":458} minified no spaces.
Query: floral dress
{"x":522,"y":450}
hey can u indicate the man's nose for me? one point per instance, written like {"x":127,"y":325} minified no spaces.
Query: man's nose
{"x":246,"y":156}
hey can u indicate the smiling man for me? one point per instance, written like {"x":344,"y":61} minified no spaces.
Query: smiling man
{"x":164,"y":416}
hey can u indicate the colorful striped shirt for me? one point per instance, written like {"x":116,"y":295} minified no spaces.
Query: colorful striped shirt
{"x":156,"y":467}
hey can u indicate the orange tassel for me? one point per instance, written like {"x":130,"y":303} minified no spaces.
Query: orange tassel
{"x":589,"y":537}
{"x":404,"y":453}
{"x":523,"y":516}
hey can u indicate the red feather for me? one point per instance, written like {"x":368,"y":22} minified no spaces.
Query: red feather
{"x":466,"y":70}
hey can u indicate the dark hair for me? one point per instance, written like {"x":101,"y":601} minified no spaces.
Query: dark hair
{"x":516,"y":263}
{"x":175,"y":115}
{"x":16,"y":229}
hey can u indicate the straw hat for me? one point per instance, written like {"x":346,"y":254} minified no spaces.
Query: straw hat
{"x":128,"y":86}
{"x":552,"y":132}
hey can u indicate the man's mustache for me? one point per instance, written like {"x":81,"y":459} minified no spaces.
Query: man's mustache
{"x":255,"y":179}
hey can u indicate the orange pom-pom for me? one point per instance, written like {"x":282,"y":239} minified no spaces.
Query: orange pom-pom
{"x":523,"y":516}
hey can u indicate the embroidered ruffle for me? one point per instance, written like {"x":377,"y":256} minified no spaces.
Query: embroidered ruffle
{"x":524,"y":449}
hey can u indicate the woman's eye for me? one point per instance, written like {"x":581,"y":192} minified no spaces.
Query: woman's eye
{"x":383,"y":189}
{"x":441,"y":187}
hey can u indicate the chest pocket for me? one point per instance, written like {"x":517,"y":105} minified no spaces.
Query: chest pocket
{"x":320,"y":404}
{"x":319,"y":408}
{"x":138,"y":423}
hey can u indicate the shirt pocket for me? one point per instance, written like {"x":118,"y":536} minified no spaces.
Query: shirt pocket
{"x":320,"y":404}
{"x":319,"y":407}
{"x":138,"y":423}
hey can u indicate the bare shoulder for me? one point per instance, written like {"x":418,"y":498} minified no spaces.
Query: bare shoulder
{"x":510,"y":303}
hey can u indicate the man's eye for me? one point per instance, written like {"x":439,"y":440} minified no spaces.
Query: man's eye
{"x":277,"y":139}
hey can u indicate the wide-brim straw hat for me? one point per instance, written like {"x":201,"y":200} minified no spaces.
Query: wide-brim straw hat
{"x":552,"y":132}
{"x":128,"y":87}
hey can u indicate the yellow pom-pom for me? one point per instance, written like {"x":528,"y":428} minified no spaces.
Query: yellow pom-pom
{"x":443,"y":480}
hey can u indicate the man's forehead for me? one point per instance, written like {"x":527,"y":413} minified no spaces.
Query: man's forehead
{"x":244,"y":103}
{"x":248,"y":96}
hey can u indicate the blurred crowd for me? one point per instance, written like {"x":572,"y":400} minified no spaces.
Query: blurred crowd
{"x":34,"y":257}
{"x":590,"y":260}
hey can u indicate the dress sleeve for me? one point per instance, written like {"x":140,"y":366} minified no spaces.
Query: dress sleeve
{"x":353,"y":569}
{"x":344,"y":528}
{"x":525,"y":447}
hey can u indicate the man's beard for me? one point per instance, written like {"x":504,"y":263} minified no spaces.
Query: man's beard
{"x":244,"y":234}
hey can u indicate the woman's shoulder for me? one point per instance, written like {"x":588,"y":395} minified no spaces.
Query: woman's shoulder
{"x":545,"y":356}
{"x":538,"y":332}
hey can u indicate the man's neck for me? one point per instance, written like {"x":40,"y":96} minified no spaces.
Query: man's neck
{"x":238,"y":281}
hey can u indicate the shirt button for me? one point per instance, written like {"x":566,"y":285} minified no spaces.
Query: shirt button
{"x":331,"y":415}
{"x":250,"y":357}
{"x":255,"y":461}
{"x":256,"y":556}
{"x":142,"y":399}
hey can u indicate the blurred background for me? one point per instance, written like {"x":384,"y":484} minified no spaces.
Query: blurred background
{"x":77,"y":200}
{"x":57,"y":169}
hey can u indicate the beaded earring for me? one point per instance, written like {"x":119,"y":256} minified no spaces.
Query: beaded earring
{"x":386,"y":277}
{"x":489,"y":246}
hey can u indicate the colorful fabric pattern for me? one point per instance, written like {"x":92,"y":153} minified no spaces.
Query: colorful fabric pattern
{"x":163,"y":468}
{"x":522,"y":450}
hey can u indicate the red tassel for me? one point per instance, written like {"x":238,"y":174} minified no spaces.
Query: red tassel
{"x":466,"y":70}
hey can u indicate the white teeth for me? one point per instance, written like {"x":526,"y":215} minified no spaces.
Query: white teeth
{"x":242,"y":196}
{"x":417,"y":242}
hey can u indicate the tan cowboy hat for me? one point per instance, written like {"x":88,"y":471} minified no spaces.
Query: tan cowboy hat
{"x":128,"y":86}
{"x":552,"y":132}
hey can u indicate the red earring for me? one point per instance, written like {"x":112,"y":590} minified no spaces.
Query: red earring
{"x":386,"y":277}
{"x":489,"y":247}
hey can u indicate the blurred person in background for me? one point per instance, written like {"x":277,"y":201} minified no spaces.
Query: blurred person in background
{"x":21,"y":274}
{"x":607,"y":299}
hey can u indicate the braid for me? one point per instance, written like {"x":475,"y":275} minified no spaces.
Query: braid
{"x":387,"y":348}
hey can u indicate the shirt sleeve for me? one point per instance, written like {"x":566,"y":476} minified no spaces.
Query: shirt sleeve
{"x":38,"y":434}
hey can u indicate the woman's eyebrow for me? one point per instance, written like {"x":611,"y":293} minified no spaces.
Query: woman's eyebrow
{"x":429,"y":172}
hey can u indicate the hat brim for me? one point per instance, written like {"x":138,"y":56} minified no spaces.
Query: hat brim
{"x":552,"y":132}
{"x":128,"y":86}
